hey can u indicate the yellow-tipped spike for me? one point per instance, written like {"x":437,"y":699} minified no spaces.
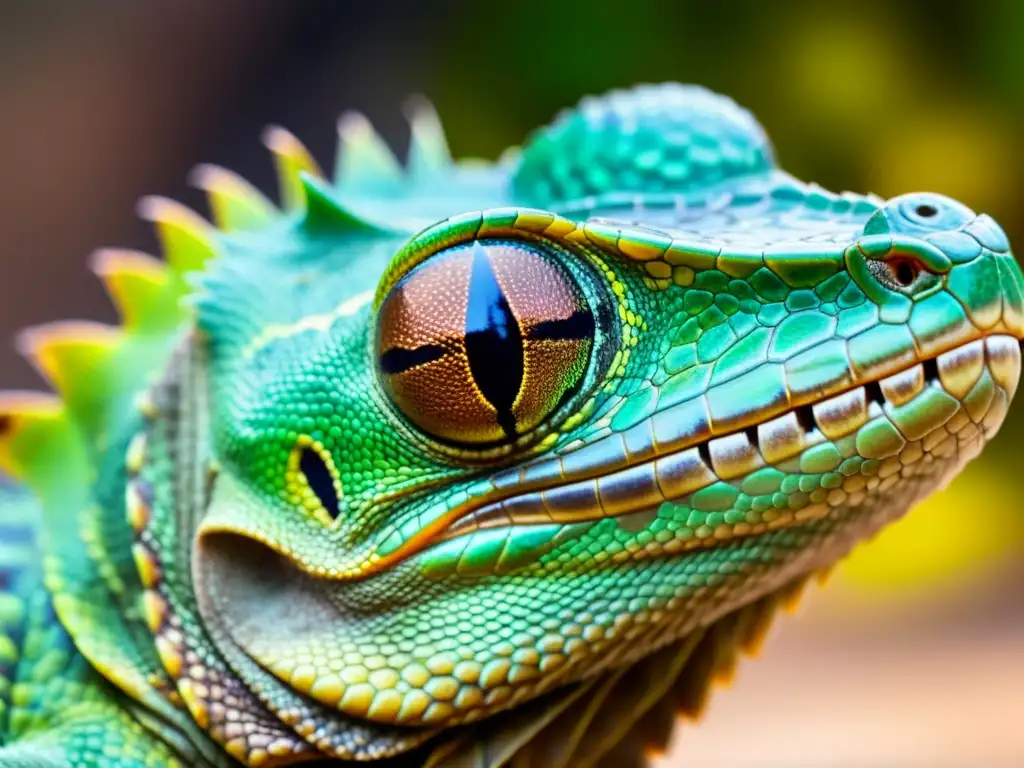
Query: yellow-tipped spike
{"x":428,"y":148}
{"x":25,"y":420}
{"x":290,"y":158}
{"x":78,"y":359}
{"x":137,"y":284}
{"x":68,"y":352}
{"x":235,"y":204}
{"x":365,"y":161}
{"x":187,"y":239}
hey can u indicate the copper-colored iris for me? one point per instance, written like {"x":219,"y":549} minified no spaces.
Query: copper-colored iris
{"x":480,"y":343}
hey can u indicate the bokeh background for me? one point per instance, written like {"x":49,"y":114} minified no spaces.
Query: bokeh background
{"x":913,"y":654}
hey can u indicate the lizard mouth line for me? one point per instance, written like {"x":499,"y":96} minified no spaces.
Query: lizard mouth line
{"x":640,"y":481}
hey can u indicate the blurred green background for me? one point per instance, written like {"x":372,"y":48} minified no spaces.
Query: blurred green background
{"x":913,"y":654}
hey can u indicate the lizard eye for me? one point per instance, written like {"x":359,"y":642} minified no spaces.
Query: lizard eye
{"x":904,"y":272}
{"x":482,"y":342}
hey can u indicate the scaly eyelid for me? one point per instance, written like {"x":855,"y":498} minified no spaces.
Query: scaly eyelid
{"x":526,"y":224}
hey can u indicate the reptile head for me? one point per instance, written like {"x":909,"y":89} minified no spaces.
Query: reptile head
{"x":613,"y":389}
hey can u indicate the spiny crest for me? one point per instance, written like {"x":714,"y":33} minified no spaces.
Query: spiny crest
{"x":93,"y":367}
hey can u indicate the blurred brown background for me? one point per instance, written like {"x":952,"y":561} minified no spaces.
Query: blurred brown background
{"x":914,"y":654}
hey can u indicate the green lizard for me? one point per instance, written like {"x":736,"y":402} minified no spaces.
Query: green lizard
{"x":477,"y":464}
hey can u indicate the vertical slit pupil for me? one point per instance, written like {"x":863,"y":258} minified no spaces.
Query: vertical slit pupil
{"x":494,"y":341}
{"x":320,"y":481}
